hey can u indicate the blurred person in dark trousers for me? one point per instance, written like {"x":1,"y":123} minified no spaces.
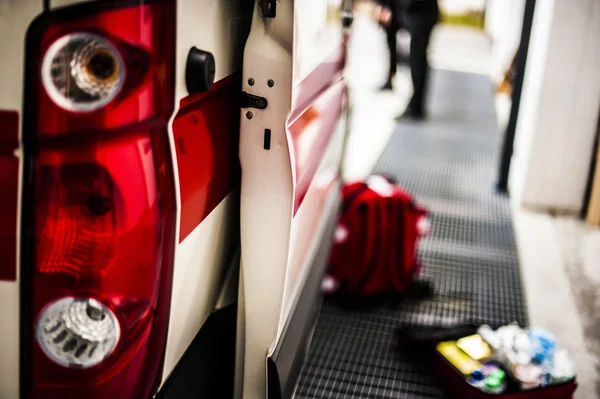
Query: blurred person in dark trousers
{"x":419,"y":17}
{"x":392,"y":20}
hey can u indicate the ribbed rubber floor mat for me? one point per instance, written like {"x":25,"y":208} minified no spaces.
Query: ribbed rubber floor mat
{"x":449,"y":164}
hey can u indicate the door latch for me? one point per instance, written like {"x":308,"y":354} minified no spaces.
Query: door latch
{"x":252,"y":101}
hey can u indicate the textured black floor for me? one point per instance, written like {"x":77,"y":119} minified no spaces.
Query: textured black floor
{"x":449,"y":164}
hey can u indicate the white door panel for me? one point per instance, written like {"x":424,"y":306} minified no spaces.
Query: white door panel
{"x":308,"y":218}
{"x":286,"y":185}
{"x":267,"y":192}
{"x":199,"y":273}
{"x":316,"y":36}
{"x":201,"y":259}
{"x":214,"y":26}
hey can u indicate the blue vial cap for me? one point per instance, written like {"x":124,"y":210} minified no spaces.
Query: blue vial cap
{"x":477,"y":375}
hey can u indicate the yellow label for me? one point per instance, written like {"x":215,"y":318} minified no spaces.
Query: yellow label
{"x":459,"y":359}
{"x":475,"y":347}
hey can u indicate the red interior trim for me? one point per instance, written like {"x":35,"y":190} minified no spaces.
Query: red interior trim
{"x":9,"y":181}
{"x":206,"y":139}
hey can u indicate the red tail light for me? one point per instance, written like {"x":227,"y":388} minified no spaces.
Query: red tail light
{"x":99,"y":208}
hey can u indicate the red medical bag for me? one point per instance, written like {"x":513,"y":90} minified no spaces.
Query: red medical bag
{"x":375,"y":242}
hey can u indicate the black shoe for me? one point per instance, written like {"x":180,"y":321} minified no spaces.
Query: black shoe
{"x":412,"y":114}
{"x":387,"y":86}
{"x":435,"y":334}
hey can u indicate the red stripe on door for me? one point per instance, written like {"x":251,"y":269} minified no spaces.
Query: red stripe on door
{"x":9,"y":181}
{"x":311,"y":134}
{"x":319,"y":101}
{"x":206,"y":133}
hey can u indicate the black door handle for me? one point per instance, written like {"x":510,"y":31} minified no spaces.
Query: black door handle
{"x":200,"y":70}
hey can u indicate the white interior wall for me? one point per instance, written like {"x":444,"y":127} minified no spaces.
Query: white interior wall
{"x":532,"y":86}
{"x":559,"y":108}
{"x":503,"y":22}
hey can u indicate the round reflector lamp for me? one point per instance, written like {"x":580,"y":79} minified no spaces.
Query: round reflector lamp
{"x":77,"y":332}
{"x":82,"y":72}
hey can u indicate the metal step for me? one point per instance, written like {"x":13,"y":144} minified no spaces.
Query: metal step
{"x":449,"y":163}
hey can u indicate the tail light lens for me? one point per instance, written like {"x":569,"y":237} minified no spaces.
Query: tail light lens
{"x":99,"y":225}
{"x":82,"y":72}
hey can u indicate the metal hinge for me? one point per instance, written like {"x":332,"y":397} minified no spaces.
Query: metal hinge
{"x":252,"y":101}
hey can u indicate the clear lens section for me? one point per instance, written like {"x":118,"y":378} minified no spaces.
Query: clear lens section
{"x":77,"y":332}
{"x":82,"y":72}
